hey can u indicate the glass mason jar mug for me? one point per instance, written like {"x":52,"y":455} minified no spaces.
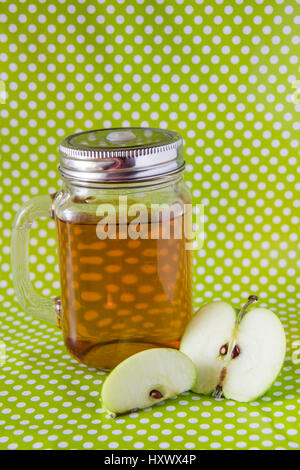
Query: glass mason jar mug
{"x":124,"y":262}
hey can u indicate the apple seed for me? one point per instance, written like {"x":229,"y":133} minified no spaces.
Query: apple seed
{"x":155,"y":394}
{"x":223,"y":350}
{"x":235,"y":352}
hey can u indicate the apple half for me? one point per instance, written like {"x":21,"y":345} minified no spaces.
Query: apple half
{"x":146,"y":378}
{"x":237,"y":354}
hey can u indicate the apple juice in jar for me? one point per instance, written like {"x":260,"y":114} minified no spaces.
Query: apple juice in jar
{"x":122,"y":295}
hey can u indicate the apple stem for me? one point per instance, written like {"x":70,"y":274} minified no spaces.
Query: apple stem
{"x":251,"y":300}
{"x":217,"y":393}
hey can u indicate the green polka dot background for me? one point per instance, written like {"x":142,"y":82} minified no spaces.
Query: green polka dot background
{"x":223,"y":75}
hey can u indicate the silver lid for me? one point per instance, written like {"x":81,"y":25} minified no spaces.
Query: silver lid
{"x":121,"y":154}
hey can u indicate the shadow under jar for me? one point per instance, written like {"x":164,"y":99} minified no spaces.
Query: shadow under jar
{"x":125,"y":269}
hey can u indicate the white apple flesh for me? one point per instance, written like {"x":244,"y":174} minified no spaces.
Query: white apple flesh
{"x":207,"y":331}
{"x":236,"y":355}
{"x":147,"y":378}
{"x":262,"y":344}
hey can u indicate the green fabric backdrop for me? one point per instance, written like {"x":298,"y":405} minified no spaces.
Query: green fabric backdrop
{"x":220,"y":73}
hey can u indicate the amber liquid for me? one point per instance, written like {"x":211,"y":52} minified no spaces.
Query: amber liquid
{"x":121,"y":296}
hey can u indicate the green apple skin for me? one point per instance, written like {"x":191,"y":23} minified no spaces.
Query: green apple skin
{"x":260,"y":337}
{"x":128,"y":386}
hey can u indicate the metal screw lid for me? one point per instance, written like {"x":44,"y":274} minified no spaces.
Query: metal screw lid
{"x":121,"y":154}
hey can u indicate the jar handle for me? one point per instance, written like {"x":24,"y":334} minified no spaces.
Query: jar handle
{"x":34,"y":304}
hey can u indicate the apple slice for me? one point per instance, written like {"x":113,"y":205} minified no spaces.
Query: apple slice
{"x":261,"y":341}
{"x":209,"y":329}
{"x":146,"y":378}
{"x":237,"y":354}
